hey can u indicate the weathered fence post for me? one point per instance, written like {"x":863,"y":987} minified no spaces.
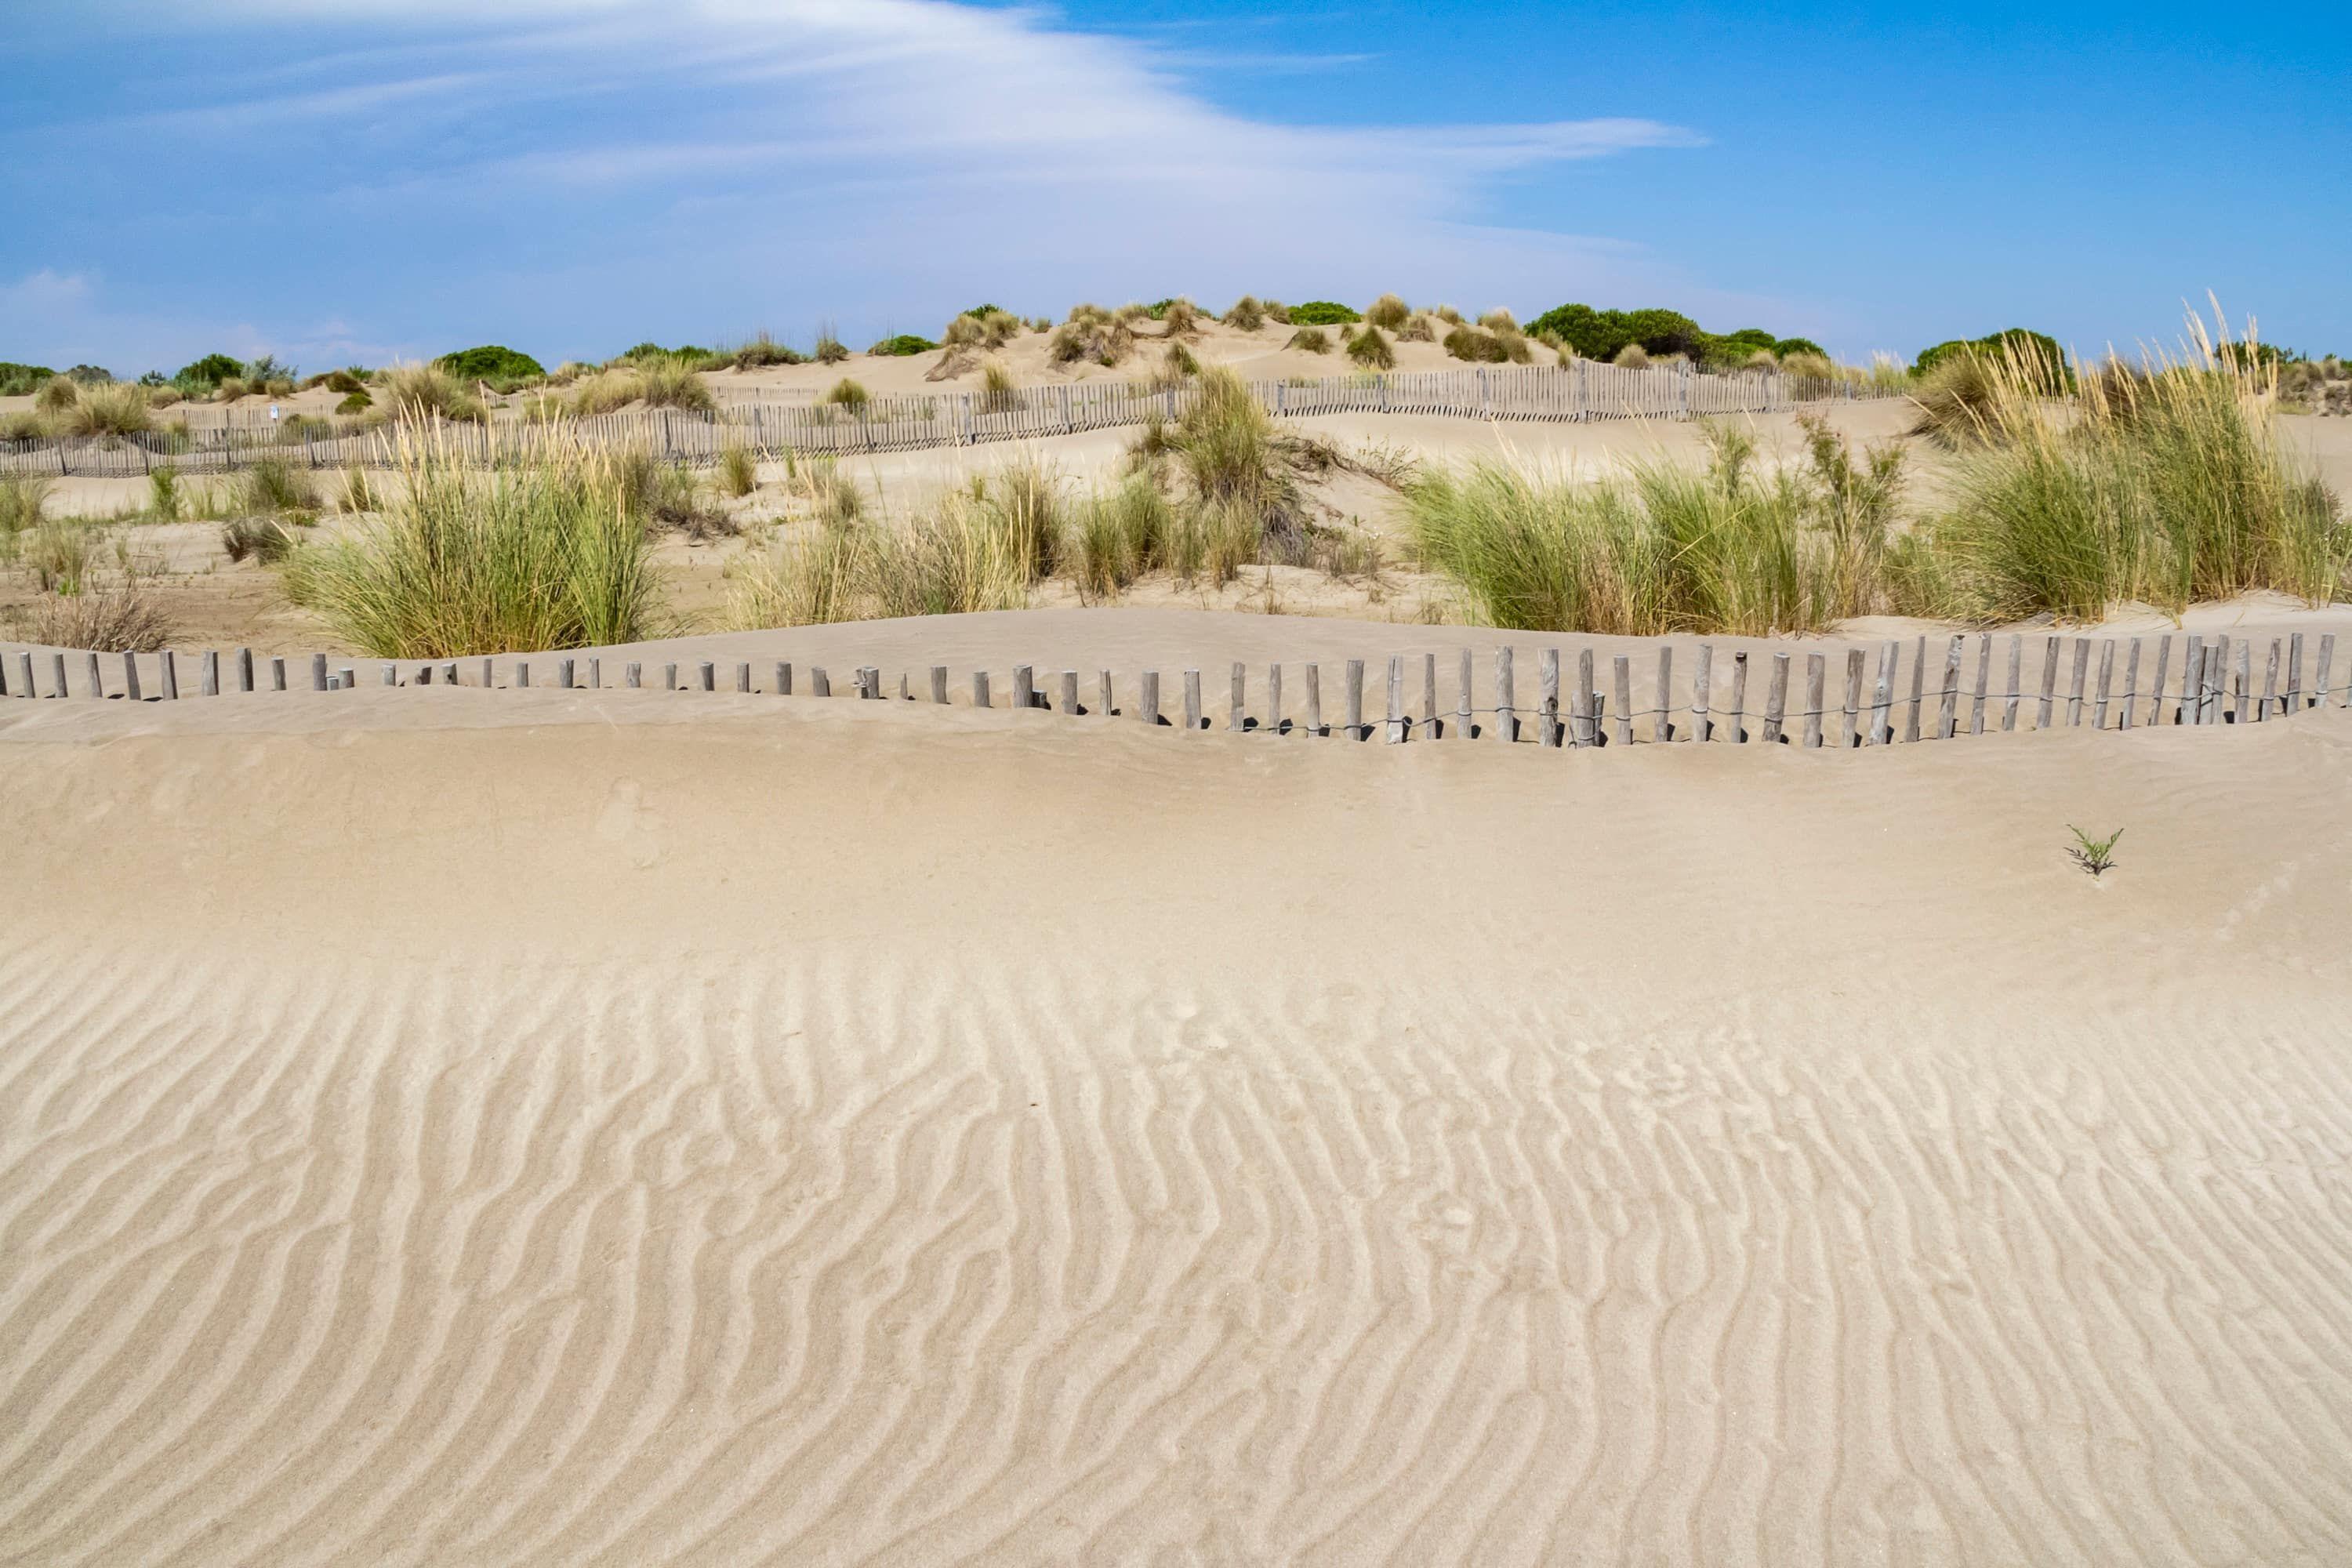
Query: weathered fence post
{"x":1702,"y":680}
{"x":1148,"y":709}
{"x":1193,"y":719}
{"x":743,"y":675}
{"x":1314,"y":699}
{"x":2131,"y":685}
{"x":131,"y":676}
{"x":245,"y":669}
{"x":2295,"y":673}
{"x":2325,"y":667}
{"x":1776,"y":699}
{"x":391,"y":674}
{"x":1396,"y":699}
{"x":1273,"y":698}
{"x":1548,"y":700}
{"x":276,"y":675}
{"x":1815,"y":672}
{"x":1882,"y":697}
{"x":318,"y":672}
{"x":1918,"y":683}
{"x":2244,"y":650}
{"x":210,"y":677}
{"x":1662,"y":722}
{"x":1104,"y":705}
{"x":2011,"y":698}
{"x":1855,"y":661}
{"x":171,"y":677}
{"x":939,"y":684}
{"x":1024,"y":687}
{"x":1429,"y":696}
{"x":2192,"y":681}
{"x":1624,"y":683}
{"x":563,"y":673}
{"x":2156,"y":690}
{"x":1739,"y":697}
{"x":2107,"y":681}
{"x":1947,"y":713}
{"x":2270,"y":682}
{"x":1465,"y":720}
{"x":979,"y":689}
{"x":1507,"y":721}
{"x":2049,"y":685}
{"x":2075,"y":682}
{"x":96,"y":681}
{"x":632,"y":675}
{"x":1355,"y":700}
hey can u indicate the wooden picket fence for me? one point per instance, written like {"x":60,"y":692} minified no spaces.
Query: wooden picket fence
{"x":1897,"y":700}
{"x":1583,"y":390}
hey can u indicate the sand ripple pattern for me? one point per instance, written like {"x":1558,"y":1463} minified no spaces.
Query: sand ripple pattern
{"x":870,"y":1264}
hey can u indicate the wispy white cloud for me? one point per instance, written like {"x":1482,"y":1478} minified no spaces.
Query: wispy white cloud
{"x":578,"y":171}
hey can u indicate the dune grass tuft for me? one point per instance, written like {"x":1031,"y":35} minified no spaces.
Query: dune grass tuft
{"x":1388,"y":311}
{"x":547,"y":549}
{"x":117,"y":408}
{"x":739,"y":468}
{"x":22,"y":497}
{"x":1369,"y":349}
{"x":122,"y":618}
{"x":1312,"y":339}
{"x":848,"y":393}
{"x":425,"y":392}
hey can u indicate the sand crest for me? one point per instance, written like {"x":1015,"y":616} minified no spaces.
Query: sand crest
{"x":442,"y":1128}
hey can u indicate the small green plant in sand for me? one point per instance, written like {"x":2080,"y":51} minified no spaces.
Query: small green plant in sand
{"x":2093,"y":855}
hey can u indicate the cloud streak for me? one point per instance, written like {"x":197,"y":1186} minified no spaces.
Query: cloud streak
{"x":583,"y":174}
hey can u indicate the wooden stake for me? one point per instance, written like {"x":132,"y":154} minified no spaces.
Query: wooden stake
{"x":979,"y":688}
{"x":1355,"y":698}
{"x":1465,"y":716}
{"x":820,"y":684}
{"x":1396,"y":699}
{"x":2295,"y":674}
{"x":2106,"y":678}
{"x":2049,"y":685}
{"x":57,"y":676}
{"x":1069,"y":691}
{"x":742,"y":675}
{"x":2269,"y":683}
{"x":2016,"y":683}
{"x":1193,"y":720}
{"x":1854,"y":659}
{"x":2131,"y":684}
{"x":1662,"y":722}
{"x":632,"y":675}
{"x":1947,"y":714}
{"x":1274,"y":719}
{"x":1237,"y":706}
{"x":210,"y":676}
{"x":1547,"y":710}
{"x":1918,"y":690}
{"x":1984,"y":683}
{"x":1024,"y":687}
{"x":276,"y":675}
{"x":318,"y":672}
{"x":1882,"y":697}
{"x":1429,"y":696}
{"x":1816,"y":681}
{"x":392,"y":674}
{"x":939,"y":684}
{"x":2156,"y":694}
{"x":1314,"y":699}
{"x":131,"y":676}
{"x":94,"y":679}
{"x":1702,"y":725}
{"x":1624,"y":672}
{"x":708,"y":672}
{"x":522,"y":673}
{"x":1507,"y":721}
{"x":2323,"y":669}
{"x":1104,"y":706}
{"x":2192,"y":681}
{"x":1740,"y":698}
{"x":171,"y":677}
{"x":2244,"y":649}
{"x":2074,"y":682}
{"x":245,"y":669}
{"x":1148,"y":710}
{"x":563,"y":673}
{"x":1776,"y":699}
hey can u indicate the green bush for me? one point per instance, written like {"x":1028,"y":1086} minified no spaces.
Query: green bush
{"x":22,"y":379}
{"x":355,"y":403}
{"x":2021,"y":340}
{"x":1784,"y":347}
{"x":491,"y":361}
{"x":1599,"y":334}
{"x":1323,"y":313}
{"x":903,"y":345}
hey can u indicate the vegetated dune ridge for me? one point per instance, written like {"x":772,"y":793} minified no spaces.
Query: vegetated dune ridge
{"x":440,"y":1127}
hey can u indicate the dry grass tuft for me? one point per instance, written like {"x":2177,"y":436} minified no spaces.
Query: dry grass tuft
{"x":425,"y":392}
{"x":1246,"y":314}
{"x":1371,"y":350}
{"x":1388,"y":311}
{"x":120,"y":618}
{"x":1313,"y":340}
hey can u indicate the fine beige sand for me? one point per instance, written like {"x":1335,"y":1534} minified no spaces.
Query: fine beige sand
{"x":441,"y":1126}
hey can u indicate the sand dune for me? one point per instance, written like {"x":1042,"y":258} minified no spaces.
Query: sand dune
{"x":446,"y":1128}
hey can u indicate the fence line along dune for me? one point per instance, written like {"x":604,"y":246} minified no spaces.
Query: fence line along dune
{"x":1582,"y":389}
{"x":544,"y":1129}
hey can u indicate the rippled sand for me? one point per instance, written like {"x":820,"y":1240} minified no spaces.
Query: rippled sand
{"x":442,"y":1129}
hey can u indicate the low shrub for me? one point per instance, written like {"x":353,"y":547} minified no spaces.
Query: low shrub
{"x":2031,"y":348}
{"x":765,"y":351}
{"x":415,"y":392}
{"x":489,"y":362}
{"x":119,"y":409}
{"x":122,"y":619}
{"x":830,"y":350}
{"x":355,"y":403}
{"x":23,"y":424}
{"x":1632,"y":356}
{"x":1246,"y":314}
{"x":1323,"y":313}
{"x":230,"y":390}
{"x":22,"y":379}
{"x":548,"y":550}
{"x":1476,"y":346}
{"x":903,"y":346}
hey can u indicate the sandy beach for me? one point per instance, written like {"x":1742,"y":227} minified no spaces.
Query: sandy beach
{"x":450,"y":1127}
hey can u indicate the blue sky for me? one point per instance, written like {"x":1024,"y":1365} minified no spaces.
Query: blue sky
{"x":383,"y":178}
